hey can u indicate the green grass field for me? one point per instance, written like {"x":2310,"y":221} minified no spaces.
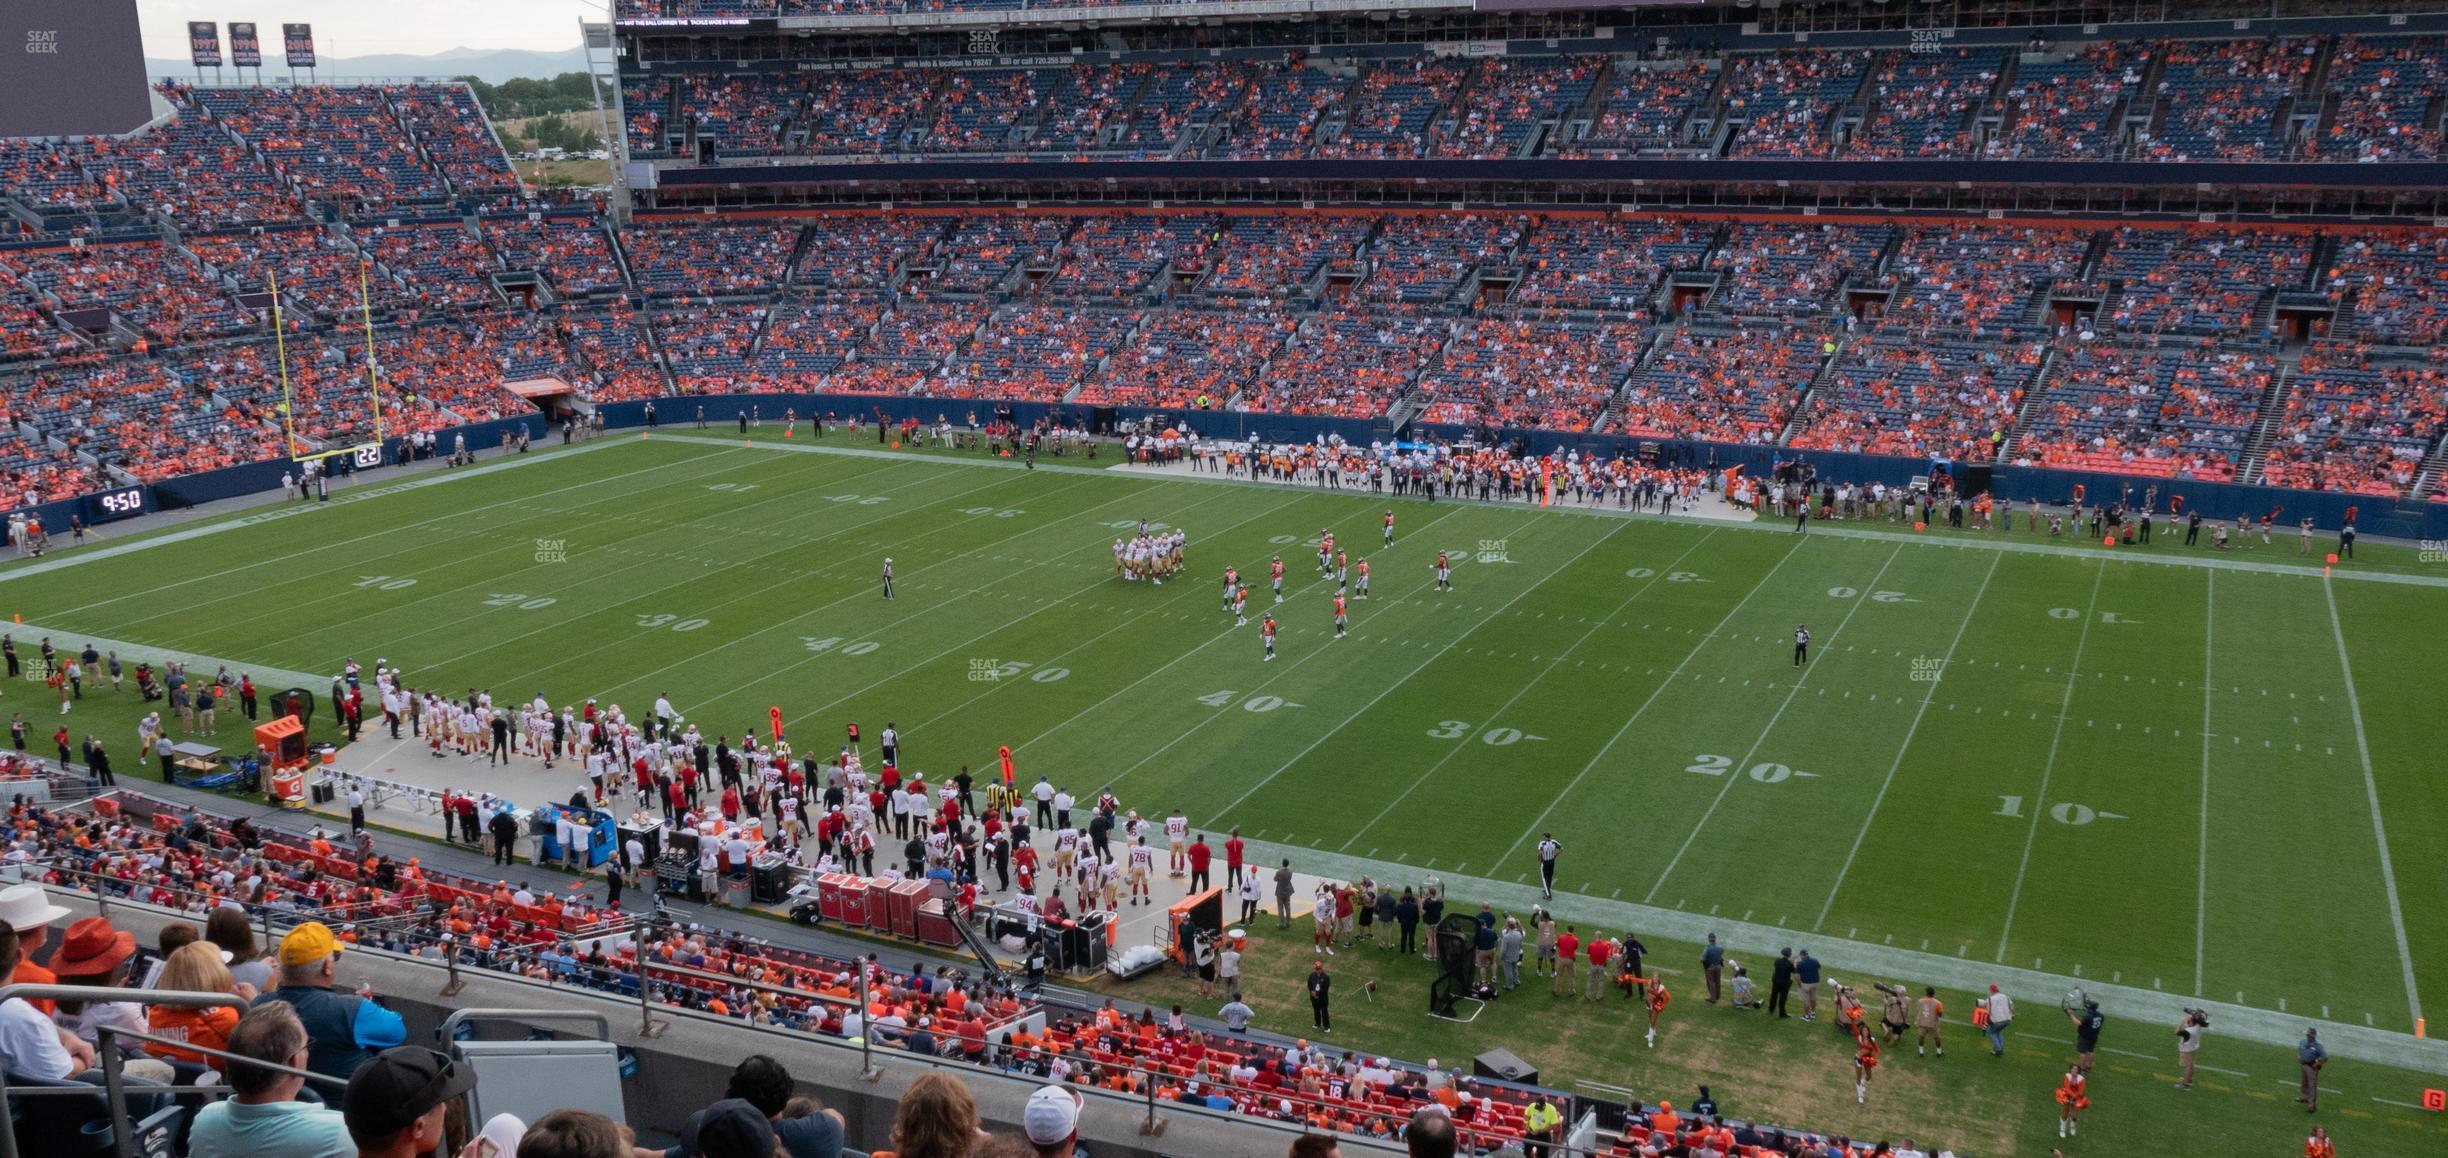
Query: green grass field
{"x":2008,"y":756}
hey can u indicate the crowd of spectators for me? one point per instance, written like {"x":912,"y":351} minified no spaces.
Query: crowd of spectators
{"x":1191,"y":358}
{"x":1280,"y":117}
{"x":612,"y":349}
{"x":1116,"y":255}
{"x":132,"y":415}
{"x":1037,"y":353}
{"x":1791,"y":269}
{"x":1275,"y":256}
{"x":312,"y":267}
{"x":458,"y":141}
{"x":1643,"y":110}
{"x":2354,"y":424}
{"x":324,"y":902}
{"x":341,"y":144}
{"x":865,"y":112}
{"x":707,"y":345}
{"x":2176,"y":410}
{"x":1980,"y":279}
{"x":2383,"y":92}
{"x":1180,"y":93}
{"x":684,"y":259}
{"x":1921,"y":104}
{"x":2391,"y":284}
{"x":981,"y":110}
{"x":816,"y":338}
{"x":2068,"y":108}
{"x":572,"y":252}
{"x":863,"y":252}
{"x":1347,"y":364}
{"x":983,"y":250}
{"x":1727,"y":384}
{"x":440,"y":265}
{"x":2220,"y":100}
{"x":1606,"y":265}
{"x":2210,"y":100}
{"x":1556,"y":375}
{"x":1422,"y":259}
{"x":1786,"y":100}
{"x":1916,"y":396}
{"x":2200,"y":284}
{"x":154,"y":288}
{"x":1391,"y":113}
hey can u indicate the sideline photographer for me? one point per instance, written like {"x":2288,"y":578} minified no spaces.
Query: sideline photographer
{"x":2189,"y":1033}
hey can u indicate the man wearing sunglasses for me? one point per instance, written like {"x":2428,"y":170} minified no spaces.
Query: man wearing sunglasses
{"x":342,"y":1029}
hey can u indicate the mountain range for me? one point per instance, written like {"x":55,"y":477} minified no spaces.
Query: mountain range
{"x":493,"y":66}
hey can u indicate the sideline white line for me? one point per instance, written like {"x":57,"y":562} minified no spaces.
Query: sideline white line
{"x":1919,"y":714}
{"x":1462,"y":741}
{"x":130,"y":653}
{"x":1756,"y":941}
{"x":1537,"y":823}
{"x":1734,"y":774}
{"x":2201,"y":888}
{"x":298,"y":509}
{"x":2371,"y":792}
{"x":2049,"y":767}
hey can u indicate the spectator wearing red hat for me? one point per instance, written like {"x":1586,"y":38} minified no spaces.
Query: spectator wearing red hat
{"x":95,"y":953}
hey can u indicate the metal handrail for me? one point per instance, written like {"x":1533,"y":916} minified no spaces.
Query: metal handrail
{"x":114,"y":1084}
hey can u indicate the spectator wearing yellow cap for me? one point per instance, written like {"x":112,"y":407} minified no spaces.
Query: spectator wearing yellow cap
{"x":342,"y":1029}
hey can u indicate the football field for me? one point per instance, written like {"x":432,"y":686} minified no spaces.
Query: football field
{"x":2145,"y":768}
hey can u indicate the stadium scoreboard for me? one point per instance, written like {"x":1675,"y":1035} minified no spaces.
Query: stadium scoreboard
{"x":72,"y":69}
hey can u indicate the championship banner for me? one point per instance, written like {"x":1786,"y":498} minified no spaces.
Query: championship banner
{"x":298,"y":39}
{"x":204,"y":43}
{"x":245,"y":50}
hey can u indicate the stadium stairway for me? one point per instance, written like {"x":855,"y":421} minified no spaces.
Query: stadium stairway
{"x":2273,"y":408}
{"x":1804,"y":401}
{"x":2032,"y":389}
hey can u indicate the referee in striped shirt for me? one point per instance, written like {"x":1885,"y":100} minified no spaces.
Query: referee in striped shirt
{"x":1547,"y":850}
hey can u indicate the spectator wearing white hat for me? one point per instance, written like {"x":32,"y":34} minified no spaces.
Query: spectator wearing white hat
{"x":28,"y":910}
{"x":1051,"y":1121}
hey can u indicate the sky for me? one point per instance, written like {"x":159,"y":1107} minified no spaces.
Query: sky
{"x":364,"y":27}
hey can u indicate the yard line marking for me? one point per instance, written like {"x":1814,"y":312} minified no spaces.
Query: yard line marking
{"x":2201,"y":889}
{"x":1188,"y":652}
{"x":605,"y":694}
{"x":288,"y":610}
{"x":1638,"y":712}
{"x":1694,"y":835}
{"x":295,"y":509}
{"x":1458,"y":746}
{"x":2048,"y":769}
{"x":1297,"y":757}
{"x":1004,"y":625}
{"x":2371,"y":792}
{"x":1906,"y":746}
{"x":457,"y":624}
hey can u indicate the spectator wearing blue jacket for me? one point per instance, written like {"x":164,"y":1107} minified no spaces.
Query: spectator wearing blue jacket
{"x":342,"y":1029}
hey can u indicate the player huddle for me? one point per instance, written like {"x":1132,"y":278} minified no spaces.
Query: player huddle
{"x":1151,"y":555}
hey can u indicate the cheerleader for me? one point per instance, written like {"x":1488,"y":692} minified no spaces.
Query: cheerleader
{"x":1865,"y":1063}
{"x":2072,"y":1100}
{"x":1657,"y":1005}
